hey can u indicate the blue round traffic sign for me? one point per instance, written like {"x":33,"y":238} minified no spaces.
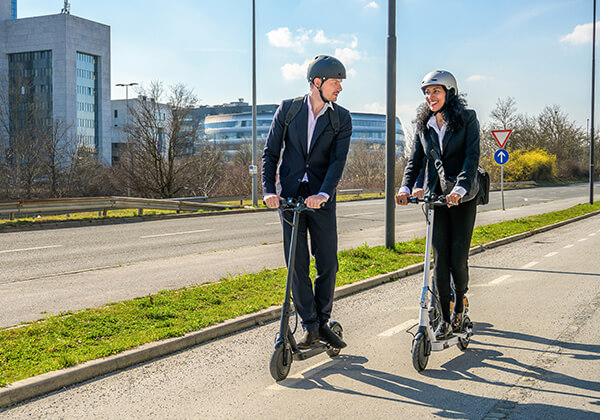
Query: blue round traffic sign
{"x":501,"y":156}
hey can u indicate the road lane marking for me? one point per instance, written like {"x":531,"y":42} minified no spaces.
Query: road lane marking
{"x":551,"y":254}
{"x":568,"y":246}
{"x":29,"y":249}
{"x":273,"y":223}
{"x":592,"y":234}
{"x":500,"y":279}
{"x":398,"y":328}
{"x":582,"y":239}
{"x":359,"y":214}
{"x":175,"y":233}
{"x":529,"y":265}
{"x":300,"y":376}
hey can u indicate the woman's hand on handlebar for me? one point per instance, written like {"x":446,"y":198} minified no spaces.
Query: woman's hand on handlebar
{"x":452,"y":199}
{"x":272,"y":201}
{"x":418,"y":193}
{"x":402,"y":198}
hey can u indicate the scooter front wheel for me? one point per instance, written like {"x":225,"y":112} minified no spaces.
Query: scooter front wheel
{"x":281,"y":362}
{"x":464,"y":342}
{"x":419,"y":353}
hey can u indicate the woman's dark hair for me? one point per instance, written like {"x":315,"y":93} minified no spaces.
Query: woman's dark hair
{"x":452,"y":113}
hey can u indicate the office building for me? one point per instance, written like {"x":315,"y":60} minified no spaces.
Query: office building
{"x":61,"y":65}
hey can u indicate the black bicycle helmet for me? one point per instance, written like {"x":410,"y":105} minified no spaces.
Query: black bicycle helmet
{"x":325,"y":67}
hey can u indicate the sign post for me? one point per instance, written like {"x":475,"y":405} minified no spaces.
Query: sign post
{"x":501,"y":156}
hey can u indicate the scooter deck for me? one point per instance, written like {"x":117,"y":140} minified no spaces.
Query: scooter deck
{"x":451,"y":341}
{"x":303,"y":354}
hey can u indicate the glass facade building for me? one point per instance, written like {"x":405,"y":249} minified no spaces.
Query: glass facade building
{"x":13,"y":9}
{"x":30,"y":92}
{"x":87,"y":101}
{"x":229,"y":131}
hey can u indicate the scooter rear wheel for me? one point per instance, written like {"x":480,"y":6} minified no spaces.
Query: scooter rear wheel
{"x":419,"y":356}
{"x":339,"y":331}
{"x":281,"y":362}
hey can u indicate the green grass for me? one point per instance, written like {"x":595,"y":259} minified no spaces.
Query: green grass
{"x":61,"y":341}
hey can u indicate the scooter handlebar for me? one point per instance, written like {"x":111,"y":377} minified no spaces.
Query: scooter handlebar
{"x":435,"y":200}
{"x":292,"y":203}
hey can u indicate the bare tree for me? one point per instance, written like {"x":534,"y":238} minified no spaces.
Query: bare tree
{"x":365,"y":167}
{"x":160,"y":140}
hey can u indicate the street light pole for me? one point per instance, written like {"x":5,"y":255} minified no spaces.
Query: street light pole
{"x":390,"y":135}
{"x":126,"y":85}
{"x":592,"y":116}
{"x":253,"y":171}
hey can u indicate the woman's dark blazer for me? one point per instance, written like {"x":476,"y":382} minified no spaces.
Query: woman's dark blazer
{"x":459,"y":159}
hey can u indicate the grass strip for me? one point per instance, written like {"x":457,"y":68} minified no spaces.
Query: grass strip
{"x":61,"y":341}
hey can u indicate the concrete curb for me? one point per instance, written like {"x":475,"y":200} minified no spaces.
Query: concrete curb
{"x":53,"y":381}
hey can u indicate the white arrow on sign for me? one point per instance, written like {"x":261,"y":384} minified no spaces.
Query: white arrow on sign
{"x":501,"y":136}
{"x":502,"y":156}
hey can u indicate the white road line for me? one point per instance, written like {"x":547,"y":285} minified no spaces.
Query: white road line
{"x":500,"y":279}
{"x":300,"y":375}
{"x":529,"y":265}
{"x":398,"y":328}
{"x":551,"y":254}
{"x":592,"y":234}
{"x":175,"y":233}
{"x":358,"y":214}
{"x":6,"y":251}
{"x":273,"y":223}
{"x":568,"y":246}
{"x":582,"y":239}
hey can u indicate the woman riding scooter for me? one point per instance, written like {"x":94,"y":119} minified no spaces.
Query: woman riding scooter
{"x":447,"y":142}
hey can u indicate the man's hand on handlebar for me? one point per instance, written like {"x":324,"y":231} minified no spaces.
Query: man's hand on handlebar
{"x":315,"y":201}
{"x":272,"y":201}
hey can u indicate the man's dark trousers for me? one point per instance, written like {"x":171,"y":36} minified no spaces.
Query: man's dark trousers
{"x":315,"y":307}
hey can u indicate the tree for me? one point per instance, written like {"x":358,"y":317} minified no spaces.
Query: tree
{"x":159,"y":153}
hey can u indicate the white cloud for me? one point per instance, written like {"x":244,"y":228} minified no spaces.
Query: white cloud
{"x":354,"y":43}
{"x":320,"y":38}
{"x":372,"y":5}
{"x":283,"y":38}
{"x":346,"y":55}
{"x":294,"y":71}
{"x":582,"y":34}
{"x":477,"y":78}
{"x":375,"y":108}
{"x":351,"y":73}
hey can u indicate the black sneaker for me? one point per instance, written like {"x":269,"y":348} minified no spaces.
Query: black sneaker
{"x":456,"y":321}
{"x":330,"y":337}
{"x":308,"y":339}
{"x":443,"y":331}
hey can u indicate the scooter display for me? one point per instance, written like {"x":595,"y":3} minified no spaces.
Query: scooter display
{"x":424,"y":341}
{"x":286,"y":349}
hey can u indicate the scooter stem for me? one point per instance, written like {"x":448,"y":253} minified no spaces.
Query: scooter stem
{"x":284,"y":326}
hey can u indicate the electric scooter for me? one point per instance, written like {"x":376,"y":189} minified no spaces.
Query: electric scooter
{"x":286,"y":349}
{"x":424,"y":341}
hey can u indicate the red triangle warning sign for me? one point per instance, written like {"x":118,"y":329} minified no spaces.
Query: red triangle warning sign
{"x":501,"y":136}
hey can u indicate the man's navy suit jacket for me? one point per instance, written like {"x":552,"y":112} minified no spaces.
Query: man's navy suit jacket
{"x":323,"y":163}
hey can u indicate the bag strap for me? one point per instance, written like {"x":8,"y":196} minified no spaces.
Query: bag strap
{"x":291,"y":114}
{"x":335,"y":120}
{"x":437,"y":162}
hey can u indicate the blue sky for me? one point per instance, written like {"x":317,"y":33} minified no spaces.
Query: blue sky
{"x":537,"y":51}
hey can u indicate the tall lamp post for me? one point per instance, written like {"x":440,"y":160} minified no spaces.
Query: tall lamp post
{"x":253,"y":170}
{"x":390,"y":124}
{"x":592,"y":116}
{"x":126,"y":85}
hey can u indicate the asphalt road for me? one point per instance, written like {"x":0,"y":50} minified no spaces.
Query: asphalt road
{"x":56,"y":270}
{"x":535,"y":354}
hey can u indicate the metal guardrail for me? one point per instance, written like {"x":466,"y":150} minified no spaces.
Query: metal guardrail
{"x":101,"y":204}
